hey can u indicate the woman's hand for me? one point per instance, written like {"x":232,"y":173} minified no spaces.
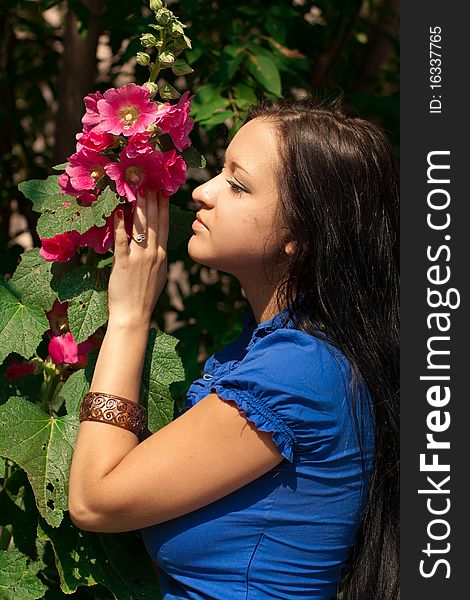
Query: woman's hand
{"x":140,"y":270}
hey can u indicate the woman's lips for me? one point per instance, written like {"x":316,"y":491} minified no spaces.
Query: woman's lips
{"x":198,"y":226}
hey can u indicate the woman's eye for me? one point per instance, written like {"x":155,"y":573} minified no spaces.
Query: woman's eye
{"x":234,"y":187}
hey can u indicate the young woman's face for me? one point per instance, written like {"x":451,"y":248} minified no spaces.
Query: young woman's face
{"x":239,"y":205}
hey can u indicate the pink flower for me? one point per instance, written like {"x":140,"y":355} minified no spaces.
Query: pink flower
{"x":92,"y":117}
{"x":126,"y":110}
{"x":133,"y":174}
{"x":60,"y":247}
{"x":85,"y":169}
{"x":175,"y":120}
{"x":16,"y":370}
{"x":94,"y":140}
{"x":138,"y":144}
{"x":99,"y":238}
{"x":67,"y":188}
{"x":173,"y":173}
{"x":63,"y":348}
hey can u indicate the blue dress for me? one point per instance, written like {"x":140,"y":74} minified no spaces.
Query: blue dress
{"x":288,"y":533}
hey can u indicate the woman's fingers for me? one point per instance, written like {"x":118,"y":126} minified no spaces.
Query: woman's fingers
{"x":163,"y":220}
{"x":121,"y":244}
{"x":152,"y":218}
{"x":139,"y":224}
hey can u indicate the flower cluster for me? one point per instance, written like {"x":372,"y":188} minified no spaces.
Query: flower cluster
{"x":62,"y":347}
{"x":120,"y":147}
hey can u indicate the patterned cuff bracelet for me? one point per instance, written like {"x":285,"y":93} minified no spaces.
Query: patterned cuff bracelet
{"x":107,"y":408}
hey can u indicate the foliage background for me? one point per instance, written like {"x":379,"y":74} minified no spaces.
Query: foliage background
{"x":52,"y":53}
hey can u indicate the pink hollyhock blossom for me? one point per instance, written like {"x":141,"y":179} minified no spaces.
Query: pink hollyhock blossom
{"x":99,"y":238}
{"x":85,"y":169}
{"x":16,"y":370}
{"x":138,"y":144}
{"x":133,"y":174}
{"x":94,"y":140}
{"x":175,"y":120}
{"x":126,"y":110}
{"x":60,"y":247}
{"x":91,"y":117}
{"x":63,"y":349}
{"x":173,"y":173}
{"x":67,"y":188}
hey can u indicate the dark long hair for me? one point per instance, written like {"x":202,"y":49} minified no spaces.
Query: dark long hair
{"x":339,"y":200}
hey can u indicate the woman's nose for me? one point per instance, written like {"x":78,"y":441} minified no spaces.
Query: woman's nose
{"x":204,"y":193}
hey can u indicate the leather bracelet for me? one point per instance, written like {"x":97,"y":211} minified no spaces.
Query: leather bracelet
{"x":114,"y":410}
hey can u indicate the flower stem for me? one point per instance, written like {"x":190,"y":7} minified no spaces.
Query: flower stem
{"x":155,"y":71}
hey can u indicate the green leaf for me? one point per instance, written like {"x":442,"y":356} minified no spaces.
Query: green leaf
{"x":168,"y":92}
{"x":265,"y":71}
{"x":85,"y":289}
{"x":39,"y":191}
{"x":61,"y":167}
{"x":218,"y":118}
{"x":41,"y":445}
{"x":244,"y":95}
{"x":193,"y":159}
{"x":32,"y":280}
{"x":229,"y":62}
{"x":162,"y":367}
{"x":276,"y":28}
{"x":18,"y":579}
{"x":73,"y":391}
{"x":57,"y":218}
{"x":215,"y":103}
{"x":21,"y":326}
{"x":117,"y":561}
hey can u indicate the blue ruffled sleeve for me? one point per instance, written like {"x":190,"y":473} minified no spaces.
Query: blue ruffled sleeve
{"x":292,"y":385}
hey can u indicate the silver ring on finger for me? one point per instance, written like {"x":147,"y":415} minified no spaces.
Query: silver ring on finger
{"x":139,"y":238}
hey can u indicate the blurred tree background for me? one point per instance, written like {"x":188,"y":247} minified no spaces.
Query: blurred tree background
{"x":52,"y":53}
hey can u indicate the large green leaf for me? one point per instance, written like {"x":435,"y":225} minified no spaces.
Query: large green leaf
{"x":118,"y":561}
{"x":21,"y":326}
{"x":162,"y":367}
{"x":41,"y":445}
{"x":39,"y":191}
{"x":264,"y":70}
{"x":57,"y":218}
{"x":85,"y":289}
{"x":73,"y":391}
{"x":32,"y":280}
{"x":18,"y":579}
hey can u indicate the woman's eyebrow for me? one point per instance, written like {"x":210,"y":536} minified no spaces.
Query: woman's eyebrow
{"x":234,"y":165}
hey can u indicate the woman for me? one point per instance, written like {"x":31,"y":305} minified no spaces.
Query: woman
{"x":280,"y":478}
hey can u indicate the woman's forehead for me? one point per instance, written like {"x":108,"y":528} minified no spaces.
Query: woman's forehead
{"x":253,"y":146}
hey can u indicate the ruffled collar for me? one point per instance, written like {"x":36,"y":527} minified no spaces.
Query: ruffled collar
{"x":262,"y":329}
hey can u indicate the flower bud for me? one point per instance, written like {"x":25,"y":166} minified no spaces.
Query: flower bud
{"x":148,"y":40}
{"x":176,"y":29}
{"x":180,"y":67}
{"x":156,"y":5}
{"x":142,"y":58}
{"x":163,"y":16}
{"x":152,"y":88}
{"x":167,"y":59}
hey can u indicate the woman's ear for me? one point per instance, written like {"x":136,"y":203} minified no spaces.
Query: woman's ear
{"x":289,"y":248}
